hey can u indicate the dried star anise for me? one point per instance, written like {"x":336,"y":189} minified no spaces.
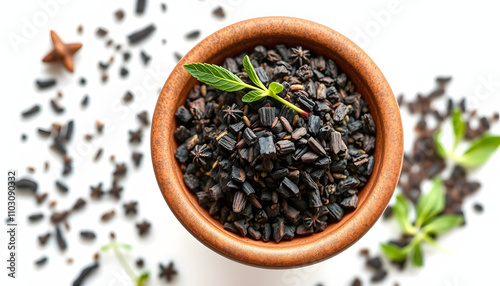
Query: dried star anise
{"x":96,"y":192}
{"x":130,"y":208}
{"x":300,"y":55}
{"x":201,"y":155}
{"x":168,"y":272}
{"x":115,"y":190}
{"x":143,"y":227}
{"x":232,"y":113}
{"x":312,"y":218}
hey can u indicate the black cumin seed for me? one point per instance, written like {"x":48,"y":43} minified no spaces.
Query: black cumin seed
{"x":85,"y":273}
{"x":119,"y":14}
{"x":27,"y":184}
{"x":87,"y":234}
{"x":145,"y":57}
{"x":193,"y":35}
{"x":42,"y":239}
{"x":62,"y":187}
{"x":42,"y":261}
{"x":101,"y":32}
{"x":137,"y":158}
{"x":85,"y":101}
{"x":478,"y":207}
{"x":128,"y":96}
{"x":140,"y":7}
{"x":42,"y":84}
{"x":219,"y":13}
{"x":31,"y":111}
{"x":143,"y":117}
{"x":142,"y":34}
{"x":35,"y":217}
{"x":123,"y":72}
{"x":61,"y":242}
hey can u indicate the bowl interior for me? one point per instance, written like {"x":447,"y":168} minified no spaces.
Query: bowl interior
{"x":369,"y":82}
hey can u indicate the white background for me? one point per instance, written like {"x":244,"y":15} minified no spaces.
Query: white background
{"x":411,"y":43}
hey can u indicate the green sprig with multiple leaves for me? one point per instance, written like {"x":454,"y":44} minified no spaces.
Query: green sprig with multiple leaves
{"x":225,"y":80}
{"x":115,"y":246}
{"x":478,"y":151}
{"x":429,"y":222}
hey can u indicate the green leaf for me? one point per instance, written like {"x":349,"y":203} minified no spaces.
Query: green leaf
{"x":433,"y":243}
{"x":458,"y":126}
{"x":418,"y":259}
{"x":253,"y":95}
{"x":393,"y":252}
{"x":247,"y":65}
{"x":106,"y":247}
{"x":124,"y":246}
{"x":215,"y":76}
{"x":440,"y":150}
{"x":275,"y":87}
{"x":401,"y":212}
{"x":144,"y":276}
{"x":443,"y":223}
{"x":480,"y":151}
{"x":431,"y":203}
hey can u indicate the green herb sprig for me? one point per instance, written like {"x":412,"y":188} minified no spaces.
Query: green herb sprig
{"x":225,"y":80}
{"x":429,"y":221}
{"x":115,"y":246}
{"x":478,"y":151}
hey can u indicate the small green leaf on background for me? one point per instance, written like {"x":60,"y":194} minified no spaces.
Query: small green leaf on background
{"x":144,"y":276}
{"x":401,"y":213}
{"x":393,"y":252}
{"x":443,"y":223}
{"x":431,"y":203}
{"x":480,"y":151}
{"x":124,"y":246}
{"x":458,"y":125}
{"x":440,"y":150}
{"x":418,"y":259}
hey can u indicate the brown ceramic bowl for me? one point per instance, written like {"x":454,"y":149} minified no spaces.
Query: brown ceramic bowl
{"x":370,"y":82}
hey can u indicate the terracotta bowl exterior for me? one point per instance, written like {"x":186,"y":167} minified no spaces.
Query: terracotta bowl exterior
{"x":369,"y":81}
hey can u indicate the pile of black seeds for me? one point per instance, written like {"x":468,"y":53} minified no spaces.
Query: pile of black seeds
{"x":261,"y":169}
{"x":59,"y":136}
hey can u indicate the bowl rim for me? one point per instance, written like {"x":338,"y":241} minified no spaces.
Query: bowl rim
{"x":246,"y":250}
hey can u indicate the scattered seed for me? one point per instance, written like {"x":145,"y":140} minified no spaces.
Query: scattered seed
{"x":119,"y":15}
{"x":42,"y":261}
{"x":143,"y":228}
{"x":107,"y":216}
{"x":101,"y":32}
{"x":193,"y":35}
{"x":140,"y":7}
{"x":31,"y":111}
{"x":140,"y":35}
{"x":42,"y":239}
{"x":145,"y":57}
{"x":61,"y":242}
{"x":85,"y":273}
{"x":219,"y":13}
{"x":43,"y":84}
{"x":87,"y":234}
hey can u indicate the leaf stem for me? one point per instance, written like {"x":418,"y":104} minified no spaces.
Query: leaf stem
{"x":253,"y":87}
{"x":123,"y":262}
{"x":300,"y":111}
